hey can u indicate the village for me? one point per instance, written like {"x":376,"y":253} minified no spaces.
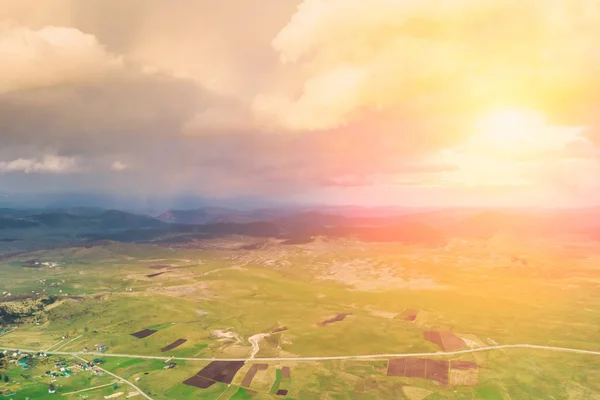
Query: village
{"x":57,"y":370}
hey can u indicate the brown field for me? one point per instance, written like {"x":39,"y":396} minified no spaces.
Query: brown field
{"x":173,"y":345}
{"x":286,"y":372}
{"x":143,"y":333}
{"x":446,"y":340}
{"x":157,"y":274}
{"x":216,"y":371}
{"x":437,"y":370}
{"x":247,"y":381}
{"x":456,"y":373}
{"x":410,"y":315}
{"x":282,"y":392}
{"x":337,"y":318}
{"x":416,"y":368}
{"x":279,"y":329}
{"x":199,"y":382}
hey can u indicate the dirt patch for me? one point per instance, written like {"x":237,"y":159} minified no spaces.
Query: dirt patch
{"x":279,"y":329}
{"x":144,"y":333}
{"x":114,"y":396}
{"x":415,"y":393}
{"x":225,"y":335}
{"x":472,"y":341}
{"x":173,"y":345}
{"x":463,"y":373}
{"x":337,"y":318}
{"x":464,"y":365}
{"x":247,"y":381}
{"x":410,"y":315}
{"x":19,"y":297}
{"x":446,"y":340}
{"x":157,"y":274}
{"x":159,"y":266}
{"x":255,"y":342}
{"x":282,"y":392}
{"x":373,"y":275}
{"x":286,"y":372}
{"x":216,"y":371}
{"x":198,"y":289}
{"x":383,"y":314}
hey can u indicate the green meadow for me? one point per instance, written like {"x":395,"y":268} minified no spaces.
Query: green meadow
{"x":218,"y":299}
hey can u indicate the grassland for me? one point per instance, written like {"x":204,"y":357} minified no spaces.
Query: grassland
{"x":495,"y":291}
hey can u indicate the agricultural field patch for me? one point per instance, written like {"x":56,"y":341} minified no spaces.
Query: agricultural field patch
{"x":216,"y":371}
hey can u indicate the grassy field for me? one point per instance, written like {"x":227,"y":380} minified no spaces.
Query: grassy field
{"x":496,"y":291}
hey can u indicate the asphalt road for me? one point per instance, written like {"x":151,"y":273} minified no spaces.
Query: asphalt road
{"x":326,"y":358}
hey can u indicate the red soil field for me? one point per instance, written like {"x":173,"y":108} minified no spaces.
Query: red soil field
{"x":408,"y":315}
{"x":435,"y":370}
{"x":446,"y":340}
{"x":415,"y":367}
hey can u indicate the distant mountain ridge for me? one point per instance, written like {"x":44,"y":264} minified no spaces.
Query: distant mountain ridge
{"x":103,"y":220}
{"x":301,"y":225}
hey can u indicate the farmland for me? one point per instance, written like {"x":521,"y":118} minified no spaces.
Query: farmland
{"x":330,"y":297}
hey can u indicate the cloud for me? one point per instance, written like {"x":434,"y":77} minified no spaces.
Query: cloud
{"x":61,"y":89}
{"x":48,"y":164}
{"x":440,"y":56}
{"x":343,"y":95}
{"x":118,"y":166}
{"x":51,"y":56}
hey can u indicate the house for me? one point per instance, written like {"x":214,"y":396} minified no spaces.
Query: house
{"x":101,"y":348}
{"x":52,"y":389}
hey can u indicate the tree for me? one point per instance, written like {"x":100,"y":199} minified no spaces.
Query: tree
{"x":6,"y":378}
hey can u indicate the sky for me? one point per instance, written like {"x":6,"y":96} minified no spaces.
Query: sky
{"x":373,"y":102}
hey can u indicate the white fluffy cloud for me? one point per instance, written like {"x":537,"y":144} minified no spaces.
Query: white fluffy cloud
{"x":432,"y":54}
{"x":48,"y":164}
{"x":118,"y":166}
{"x":51,"y":56}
